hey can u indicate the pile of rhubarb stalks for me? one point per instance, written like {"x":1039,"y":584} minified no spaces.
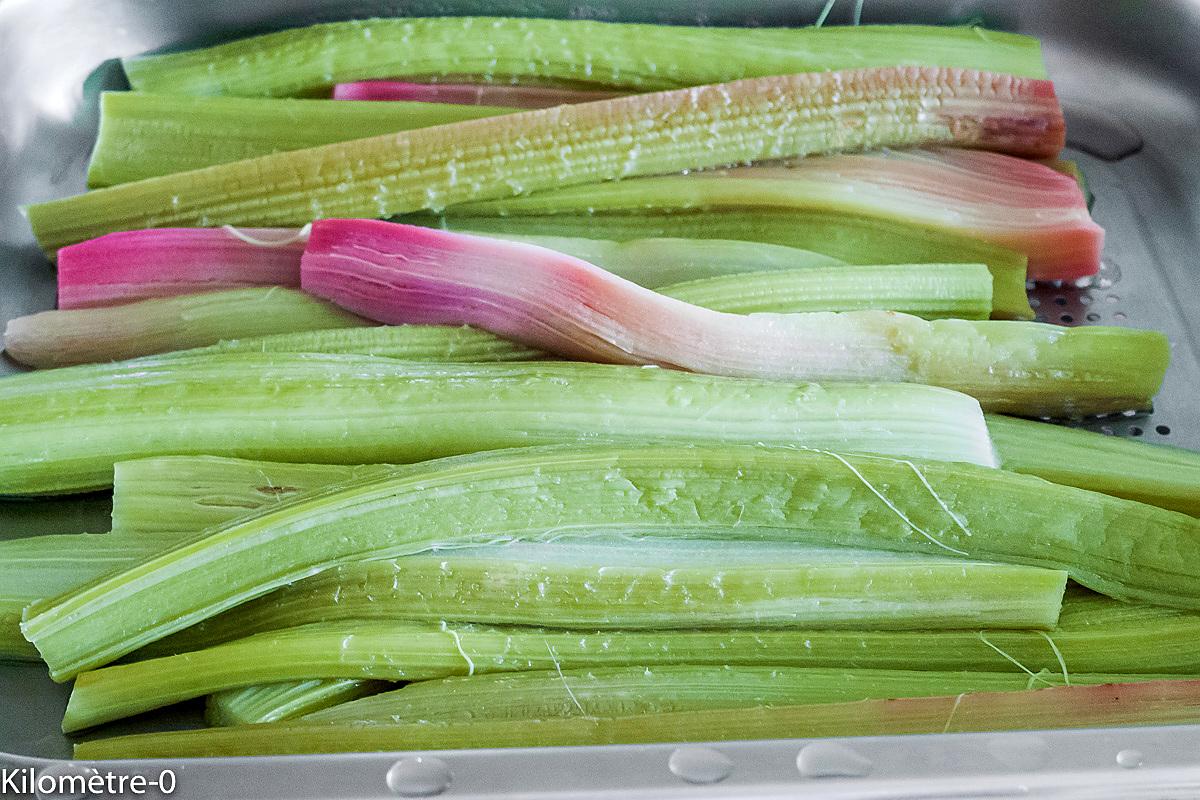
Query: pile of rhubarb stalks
{"x":487,"y":382}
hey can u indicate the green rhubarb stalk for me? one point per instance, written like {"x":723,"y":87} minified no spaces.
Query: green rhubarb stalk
{"x":1163,"y":476}
{"x":1094,"y":634}
{"x":1125,"y":549}
{"x":627,"y":691}
{"x":350,"y":409}
{"x":412,"y":652}
{"x":437,"y":343}
{"x":850,"y":238}
{"x":88,"y":335}
{"x":660,"y":262}
{"x":578,"y":52}
{"x":14,"y":646}
{"x":932,"y":291}
{"x":185,"y":494}
{"x":1149,"y":703}
{"x":604,"y":583}
{"x":274,"y":702}
{"x":38,"y":567}
{"x":144,"y":135}
{"x":430,"y":168}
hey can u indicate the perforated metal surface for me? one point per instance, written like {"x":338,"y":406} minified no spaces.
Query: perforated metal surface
{"x":1128,"y":73}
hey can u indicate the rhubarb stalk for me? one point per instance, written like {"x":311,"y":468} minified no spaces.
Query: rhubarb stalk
{"x":430,"y":168}
{"x":1125,"y":549}
{"x":274,"y":702}
{"x":851,"y":239}
{"x":1094,"y":634}
{"x":628,"y":691}
{"x":1150,"y":703}
{"x":349,"y":409}
{"x":601,"y":583}
{"x":1010,"y":202}
{"x":138,"y":265}
{"x":1160,"y":475}
{"x":89,"y":335}
{"x":563,"y":305}
{"x":580,"y":52}
{"x":144,"y":135}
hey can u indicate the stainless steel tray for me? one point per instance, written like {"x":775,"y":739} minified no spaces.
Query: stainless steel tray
{"x":1128,"y":73}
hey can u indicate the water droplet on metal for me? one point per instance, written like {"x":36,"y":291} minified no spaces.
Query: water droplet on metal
{"x":419,"y":776}
{"x":829,"y":760}
{"x":1020,"y":751}
{"x":700,"y":764}
{"x":1130,"y":759}
{"x":52,"y":777}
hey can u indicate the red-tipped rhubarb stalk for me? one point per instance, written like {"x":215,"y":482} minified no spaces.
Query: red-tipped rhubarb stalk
{"x":650,"y":134}
{"x":138,"y":265}
{"x":561,"y":304}
{"x":470,"y":94}
{"x":1010,"y":202}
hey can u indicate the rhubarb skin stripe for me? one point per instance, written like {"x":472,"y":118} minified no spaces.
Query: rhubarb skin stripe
{"x":431,"y":168}
{"x":138,"y":265}
{"x":554,"y":302}
{"x":1149,"y":703}
{"x":472,"y":94}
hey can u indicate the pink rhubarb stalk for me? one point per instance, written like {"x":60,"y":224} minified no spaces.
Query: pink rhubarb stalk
{"x":469,"y":94}
{"x":1011,"y":202}
{"x":561,"y":304}
{"x":164,"y":262}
